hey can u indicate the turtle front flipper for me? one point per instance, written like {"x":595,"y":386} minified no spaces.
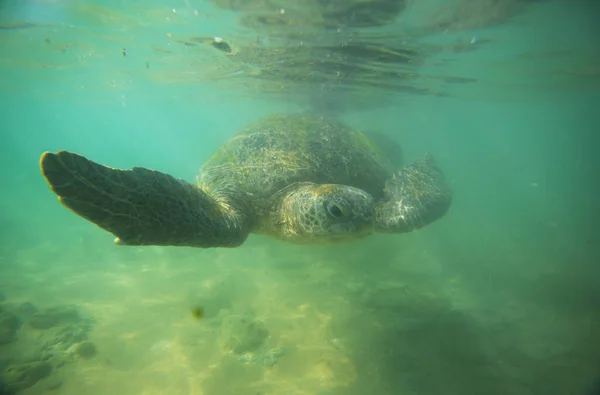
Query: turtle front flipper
{"x":142,"y":206}
{"x":416,"y":196}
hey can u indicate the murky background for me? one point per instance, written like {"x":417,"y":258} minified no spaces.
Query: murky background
{"x":500,"y":296}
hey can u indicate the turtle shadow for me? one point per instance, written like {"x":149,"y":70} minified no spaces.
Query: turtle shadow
{"x":422,"y":349}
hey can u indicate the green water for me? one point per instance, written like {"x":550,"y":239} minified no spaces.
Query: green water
{"x":500,"y":296}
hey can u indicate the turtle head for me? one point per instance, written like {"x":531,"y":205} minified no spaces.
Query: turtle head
{"x":310,"y":213}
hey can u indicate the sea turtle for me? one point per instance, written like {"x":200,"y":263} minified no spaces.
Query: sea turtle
{"x":301,"y":178}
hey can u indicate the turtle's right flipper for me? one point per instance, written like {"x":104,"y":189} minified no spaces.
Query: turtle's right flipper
{"x":141,"y":206}
{"x":416,"y":196}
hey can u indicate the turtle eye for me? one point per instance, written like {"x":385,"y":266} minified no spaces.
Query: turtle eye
{"x":335,"y":210}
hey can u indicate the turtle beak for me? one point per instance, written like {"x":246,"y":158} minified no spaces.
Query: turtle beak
{"x":366,"y":227}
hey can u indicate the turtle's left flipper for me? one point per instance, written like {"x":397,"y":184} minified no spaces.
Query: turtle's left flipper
{"x":141,"y":206}
{"x":416,"y":196}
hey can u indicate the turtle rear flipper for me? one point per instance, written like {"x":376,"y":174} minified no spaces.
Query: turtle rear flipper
{"x":141,"y":206}
{"x":416,"y":196}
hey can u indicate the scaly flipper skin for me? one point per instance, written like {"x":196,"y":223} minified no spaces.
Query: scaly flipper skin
{"x":142,"y":206}
{"x":416,"y":196}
